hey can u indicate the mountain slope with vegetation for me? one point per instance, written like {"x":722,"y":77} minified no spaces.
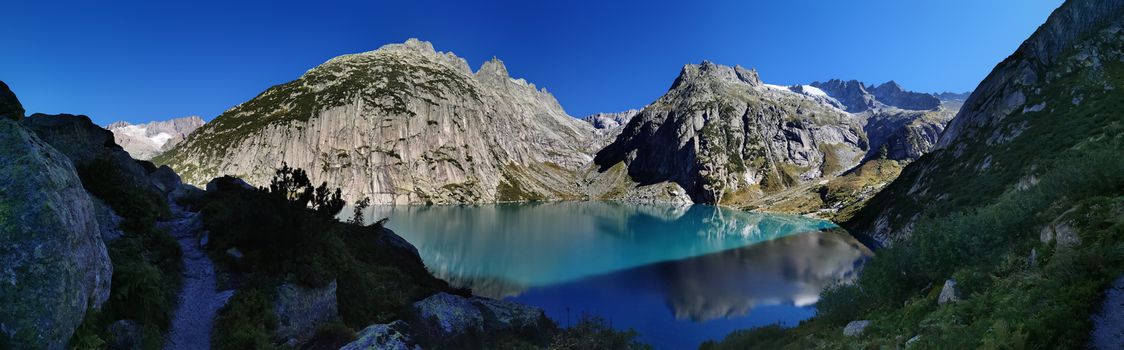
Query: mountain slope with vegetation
{"x":1009,"y":233}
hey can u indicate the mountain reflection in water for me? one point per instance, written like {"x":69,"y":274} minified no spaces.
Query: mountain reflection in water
{"x":501,"y":249}
{"x":680,"y":304}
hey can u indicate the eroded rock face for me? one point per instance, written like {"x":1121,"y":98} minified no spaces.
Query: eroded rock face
{"x":401,"y":124}
{"x":53,"y":263}
{"x":719,"y":131}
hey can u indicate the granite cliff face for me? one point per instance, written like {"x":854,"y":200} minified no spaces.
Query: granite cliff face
{"x":719,"y":133}
{"x":144,"y":141}
{"x":401,"y":124}
{"x":1055,"y":96}
{"x":55,"y":263}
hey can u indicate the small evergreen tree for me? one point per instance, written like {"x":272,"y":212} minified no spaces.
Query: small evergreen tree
{"x":357,"y":212}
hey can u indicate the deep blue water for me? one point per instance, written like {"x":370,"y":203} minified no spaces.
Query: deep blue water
{"x":679,"y":275}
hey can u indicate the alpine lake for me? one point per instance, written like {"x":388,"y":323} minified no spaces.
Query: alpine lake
{"x":677,"y":274}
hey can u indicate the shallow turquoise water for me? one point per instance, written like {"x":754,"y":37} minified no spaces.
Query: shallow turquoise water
{"x":678,"y":274}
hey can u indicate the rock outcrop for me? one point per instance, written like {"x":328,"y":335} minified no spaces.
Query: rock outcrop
{"x":144,"y":141}
{"x":855,"y":328}
{"x":10,"y":106}
{"x":390,"y":336}
{"x":401,"y":124}
{"x":949,"y":293}
{"x":55,"y":265}
{"x":444,"y":319}
{"x":719,"y":133}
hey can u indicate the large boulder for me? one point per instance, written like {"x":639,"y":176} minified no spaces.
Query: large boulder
{"x":446,"y":319}
{"x":86,"y":143}
{"x":949,"y":293}
{"x":855,"y":328}
{"x":390,"y":336}
{"x":10,"y":107}
{"x":502,"y":315}
{"x":53,"y":263}
{"x":300,"y":310}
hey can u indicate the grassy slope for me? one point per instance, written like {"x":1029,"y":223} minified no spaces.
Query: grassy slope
{"x":983,"y":232}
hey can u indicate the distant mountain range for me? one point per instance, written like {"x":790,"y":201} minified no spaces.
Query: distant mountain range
{"x":144,"y":141}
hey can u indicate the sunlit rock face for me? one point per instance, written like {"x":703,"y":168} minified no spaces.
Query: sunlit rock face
{"x":401,"y":124}
{"x":791,"y":270}
{"x":720,"y":133}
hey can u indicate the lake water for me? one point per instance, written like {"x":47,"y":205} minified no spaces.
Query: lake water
{"x":677,"y":274}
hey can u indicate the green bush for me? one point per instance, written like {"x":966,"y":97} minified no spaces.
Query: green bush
{"x":246,"y":322}
{"x":147,"y":271}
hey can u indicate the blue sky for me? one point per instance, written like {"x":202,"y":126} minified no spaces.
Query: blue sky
{"x":140,"y":61}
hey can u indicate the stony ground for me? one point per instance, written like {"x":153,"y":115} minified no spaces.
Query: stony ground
{"x":199,"y":300}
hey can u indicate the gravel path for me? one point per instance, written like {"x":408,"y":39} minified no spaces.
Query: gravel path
{"x":198,"y":301}
{"x":1108,"y":324}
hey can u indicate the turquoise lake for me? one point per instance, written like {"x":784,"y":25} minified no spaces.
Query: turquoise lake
{"x":678,"y":274}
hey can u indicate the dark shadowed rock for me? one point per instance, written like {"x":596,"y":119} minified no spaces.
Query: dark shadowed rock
{"x":300,"y":310}
{"x":227,"y":183}
{"x":502,"y":315}
{"x":444,"y":317}
{"x":10,"y":106}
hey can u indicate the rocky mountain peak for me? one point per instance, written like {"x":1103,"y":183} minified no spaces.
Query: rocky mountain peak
{"x":10,"y":106}
{"x":493,"y":71}
{"x":889,"y":86}
{"x":892,"y":94}
{"x":411,"y":44}
{"x":709,"y":71}
{"x":851,"y":93}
